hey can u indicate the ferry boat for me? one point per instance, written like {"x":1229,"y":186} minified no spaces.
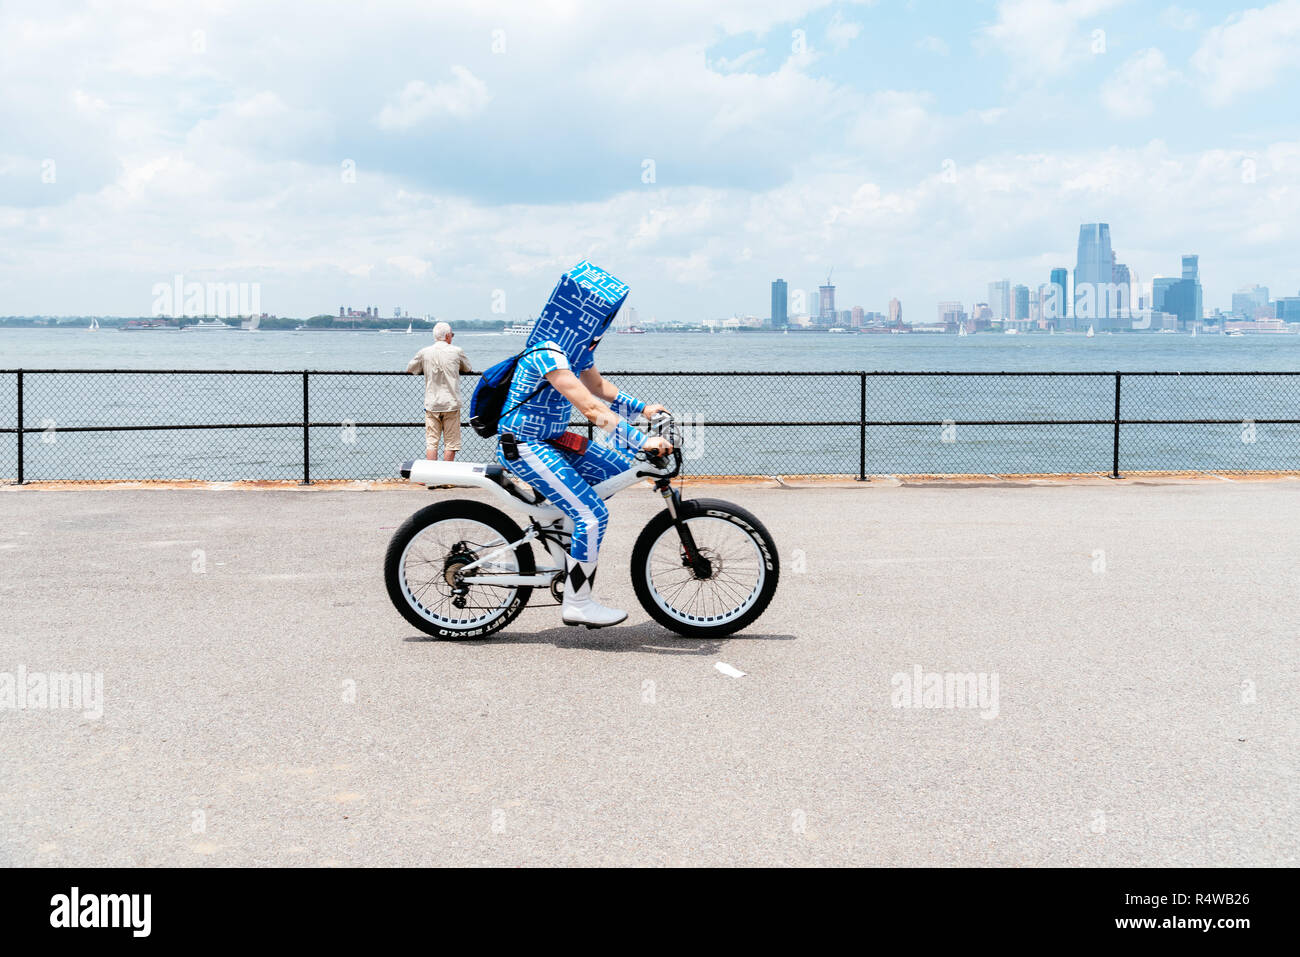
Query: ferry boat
{"x":216,"y":325}
{"x":517,"y":329}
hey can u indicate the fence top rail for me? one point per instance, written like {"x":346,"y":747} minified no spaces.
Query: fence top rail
{"x":657,"y":373}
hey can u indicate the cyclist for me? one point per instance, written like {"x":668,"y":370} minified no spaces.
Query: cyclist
{"x":556,"y":371}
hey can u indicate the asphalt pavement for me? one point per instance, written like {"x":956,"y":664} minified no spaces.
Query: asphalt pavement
{"x":1131,"y":650}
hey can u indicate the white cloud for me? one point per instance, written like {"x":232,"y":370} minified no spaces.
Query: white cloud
{"x":1044,"y":37}
{"x":1178,"y":18}
{"x":230,"y":160}
{"x":1131,"y":91}
{"x":460,"y":97}
{"x":840,"y":33}
{"x":737,"y":64}
{"x":1249,"y":52}
{"x":895,"y":122}
{"x":410,"y":265}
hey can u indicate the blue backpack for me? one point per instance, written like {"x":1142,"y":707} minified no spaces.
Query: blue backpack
{"x":492,"y":391}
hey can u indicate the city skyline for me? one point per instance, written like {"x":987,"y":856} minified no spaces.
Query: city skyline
{"x":921,"y":156}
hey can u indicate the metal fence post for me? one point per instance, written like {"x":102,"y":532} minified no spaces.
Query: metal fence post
{"x":862,"y":426}
{"x":20,"y":427}
{"x":1114,"y":463}
{"x":306,"y":433}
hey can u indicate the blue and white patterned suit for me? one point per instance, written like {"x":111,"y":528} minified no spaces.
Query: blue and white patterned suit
{"x":580,"y":309}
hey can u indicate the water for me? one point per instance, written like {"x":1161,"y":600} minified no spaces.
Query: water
{"x":693,"y":352}
{"x":364,"y":425}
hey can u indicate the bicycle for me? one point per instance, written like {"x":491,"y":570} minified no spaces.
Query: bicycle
{"x":465,"y":569}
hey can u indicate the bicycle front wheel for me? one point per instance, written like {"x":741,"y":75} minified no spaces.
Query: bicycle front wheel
{"x":733,"y":588}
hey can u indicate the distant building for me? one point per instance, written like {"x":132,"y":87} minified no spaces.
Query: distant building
{"x":1179,"y":297}
{"x":1056,"y":307}
{"x":780,"y":304}
{"x":1000,"y":299}
{"x":1287,"y":308}
{"x":1094,"y":276}
{"x":952,"y":316}
{"x":1160,"y":287}
{"x":857,"y":317}
{"x":1122,"y":305}
{"x":895,"y":311}
{"x":1020,"y":303}
{"x":826,"y":310}
{"x":1249,"y":301}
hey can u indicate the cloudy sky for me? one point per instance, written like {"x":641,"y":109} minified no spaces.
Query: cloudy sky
{"x":434,"y":155}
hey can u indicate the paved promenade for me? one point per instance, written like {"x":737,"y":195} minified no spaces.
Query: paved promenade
{"x":263,"y":703}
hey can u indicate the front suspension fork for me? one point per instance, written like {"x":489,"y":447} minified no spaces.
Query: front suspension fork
{"x":700,"y":565}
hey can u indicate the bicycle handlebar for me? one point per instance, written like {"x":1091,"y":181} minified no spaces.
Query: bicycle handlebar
{"x":663,"y":425}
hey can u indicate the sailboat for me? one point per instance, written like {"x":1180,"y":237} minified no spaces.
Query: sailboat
{"x":961,"y":329}
{"x":410,"y":331}
{"x":94,"y":326}
{"x":1193,"y":332}
{"x":1090,"y":332}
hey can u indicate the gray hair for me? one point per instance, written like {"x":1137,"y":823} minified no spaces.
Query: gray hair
{"x":441,"y":331}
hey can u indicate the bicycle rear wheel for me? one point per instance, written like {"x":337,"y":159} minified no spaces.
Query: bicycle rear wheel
{"x":427,"y":553}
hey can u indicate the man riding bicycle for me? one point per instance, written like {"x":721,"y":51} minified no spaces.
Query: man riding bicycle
{"x":556,"y":371}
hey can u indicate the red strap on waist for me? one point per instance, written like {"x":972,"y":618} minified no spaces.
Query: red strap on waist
{"x":570,"y":442}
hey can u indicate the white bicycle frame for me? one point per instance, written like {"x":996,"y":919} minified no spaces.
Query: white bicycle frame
{"x":545,"y":516}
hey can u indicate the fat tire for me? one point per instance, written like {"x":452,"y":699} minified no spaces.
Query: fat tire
{"x":713,"y":508}
{"x":494,"y":519}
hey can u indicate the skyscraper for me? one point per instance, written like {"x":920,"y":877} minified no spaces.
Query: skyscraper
{"x":1000,"y":299}
{"x":1122,"y":304}
{"x":780,"y":301}
{"x":1093,"y":274}
{"x":826,"y":310}
{"x":1057,"y":305}
{"x":1287,"y":308}
{"x":1180,"y":297}
{"x":895,"y":312}
{"x":1190,"y":306}
{"x":1020,"y":303}
{"x":1248,"y":301}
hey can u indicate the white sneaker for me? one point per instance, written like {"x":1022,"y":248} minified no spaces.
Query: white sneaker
{"x":578,"y":607}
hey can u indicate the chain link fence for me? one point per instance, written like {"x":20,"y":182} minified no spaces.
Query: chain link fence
{"x":221,"y":425}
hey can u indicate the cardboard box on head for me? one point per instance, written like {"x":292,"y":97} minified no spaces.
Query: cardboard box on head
{"x":579,"y":310}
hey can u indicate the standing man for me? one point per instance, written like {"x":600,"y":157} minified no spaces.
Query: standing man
{"x":441,"y":365}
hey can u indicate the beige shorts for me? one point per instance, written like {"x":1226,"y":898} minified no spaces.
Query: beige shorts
{"x":444,"y":425}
